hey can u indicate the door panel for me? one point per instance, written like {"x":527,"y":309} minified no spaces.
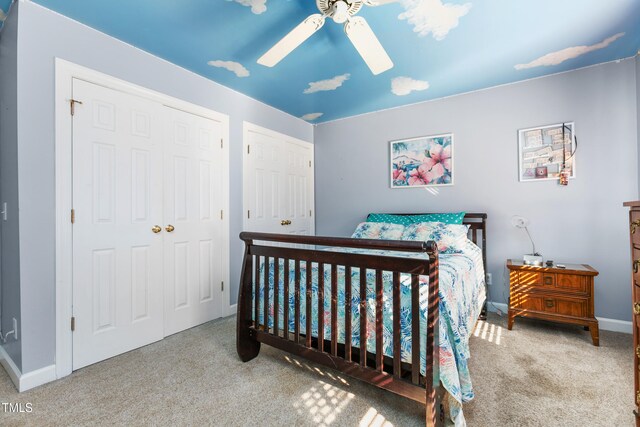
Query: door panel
{"x":117,"y":196}
{"x":193,"y":198}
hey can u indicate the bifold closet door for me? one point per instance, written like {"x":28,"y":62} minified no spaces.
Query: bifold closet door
{"x":193,"y":214}
{"x":117,"y":199}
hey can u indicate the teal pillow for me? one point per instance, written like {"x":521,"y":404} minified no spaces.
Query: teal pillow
{"x":447,"y":218}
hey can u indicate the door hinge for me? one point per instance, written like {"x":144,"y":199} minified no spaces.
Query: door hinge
{"x":309,"y":212}
{"x":222,"y":286}
{"x":221,"y":143}
{"x":73,"y":103}
{"x":73,"y":323}
{"x":221,"y":214}
{"x":248,"y":214}
{"x":248,"y":149}
{"x":309,"y":163}
{"x":73,"y":216}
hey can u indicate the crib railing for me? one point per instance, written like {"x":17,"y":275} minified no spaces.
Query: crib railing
{"x":261,"y":261}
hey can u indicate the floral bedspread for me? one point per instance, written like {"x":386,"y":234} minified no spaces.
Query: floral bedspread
{"x":462,"y":294}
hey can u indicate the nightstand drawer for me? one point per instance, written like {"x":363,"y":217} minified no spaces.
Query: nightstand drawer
{"x":529,"y":278}
{"x":552,"y":304}
{"x":571,"y":282}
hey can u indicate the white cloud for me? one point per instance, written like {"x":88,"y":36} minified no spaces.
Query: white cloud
{"x":433,"y":16}
{"x":330,"y":84}
{"x":234,"y":67}
{"x":311,"y":116}
{"x":257,"y":6}
{"x":558,"y":57}
{"x":405,"y":85}
{"x":3,"y":16}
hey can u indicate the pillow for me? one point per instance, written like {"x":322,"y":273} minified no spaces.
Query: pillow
{"x":447,"y":218}
{"x":451,"y":238}
{"x":378,"y":230}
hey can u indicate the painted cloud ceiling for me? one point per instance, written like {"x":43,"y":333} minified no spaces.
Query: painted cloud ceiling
{"x":439,"y":47}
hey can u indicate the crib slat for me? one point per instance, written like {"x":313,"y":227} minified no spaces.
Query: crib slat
{"x":379,"y":351}
{"x":276,"y":295}
{"x":334,"y":310}
{"x":397,"y":357}
{"x":474,"y":232}
{"x":347,"y":313}
{"x":321,"y":306}
{"x":285,"y":300}
{"x":415,"y":329}
{"x":256,"y":297}
{"x":296,"y":327}
{"x":309,"y":270}
{"x":266,"y":294}
{"x":363,"y":317}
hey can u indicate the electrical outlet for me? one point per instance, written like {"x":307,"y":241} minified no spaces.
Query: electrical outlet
{"x":15,"y":328}
{"x":489,"y":279}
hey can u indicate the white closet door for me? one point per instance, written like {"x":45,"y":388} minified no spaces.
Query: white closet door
{"x":117,"y":196}
{"x":278,"y":183}
{"x":299,"y":188}
{"x":265,"y":182}
{"x":193,"y":198}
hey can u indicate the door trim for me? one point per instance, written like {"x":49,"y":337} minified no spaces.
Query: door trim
{"x":65,"y":72}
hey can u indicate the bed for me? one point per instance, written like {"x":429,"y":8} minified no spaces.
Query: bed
{"x":396,"y":305}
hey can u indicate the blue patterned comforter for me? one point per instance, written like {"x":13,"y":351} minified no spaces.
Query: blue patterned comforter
{"x":462,"y":294}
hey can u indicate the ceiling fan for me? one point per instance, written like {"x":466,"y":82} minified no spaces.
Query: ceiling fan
{"x":356,"y":28}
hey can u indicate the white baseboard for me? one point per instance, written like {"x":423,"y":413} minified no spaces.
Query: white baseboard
{"x":605,"y":324}
{"x":37,"y":378}
{"x":615,"y":325}
{"x":232,"y":309}
{"x":24,"y":382}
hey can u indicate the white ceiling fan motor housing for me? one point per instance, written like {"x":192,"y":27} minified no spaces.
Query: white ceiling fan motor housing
{"x":339,"y":10}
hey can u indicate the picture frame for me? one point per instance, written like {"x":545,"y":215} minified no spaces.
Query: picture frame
{"x":425,"y":161}
{"x":542,"y":154}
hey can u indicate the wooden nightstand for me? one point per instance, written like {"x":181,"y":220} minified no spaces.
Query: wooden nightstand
{"x":556,"y":294}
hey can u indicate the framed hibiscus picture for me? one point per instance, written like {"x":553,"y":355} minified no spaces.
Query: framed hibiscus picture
{"x":422,"y":162}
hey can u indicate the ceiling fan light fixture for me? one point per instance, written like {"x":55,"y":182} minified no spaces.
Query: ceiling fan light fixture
{"x":340,"y":13}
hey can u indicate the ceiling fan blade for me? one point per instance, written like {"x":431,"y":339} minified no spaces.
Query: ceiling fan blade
{"x":368,"y":45}
{"x":295,"y":38}
{"x":379,"y":2}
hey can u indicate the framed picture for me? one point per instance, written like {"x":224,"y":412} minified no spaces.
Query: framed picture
{"x":544,"y":151}
{"x":426,"y":161}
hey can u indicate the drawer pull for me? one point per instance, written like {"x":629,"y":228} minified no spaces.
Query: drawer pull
{"x":636,"y":308}
{"x":548,"y":280}
{"x":635,"y":224}
{"x":638,"y":398}
{"x":549,"y":303}
{"x":636,"y":263}
{"x":638,"y":351}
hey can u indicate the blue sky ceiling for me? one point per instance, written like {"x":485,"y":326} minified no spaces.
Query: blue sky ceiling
{"x":439,"y":47}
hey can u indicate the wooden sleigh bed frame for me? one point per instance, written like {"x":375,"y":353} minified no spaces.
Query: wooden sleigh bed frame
{"x":373,"y":367}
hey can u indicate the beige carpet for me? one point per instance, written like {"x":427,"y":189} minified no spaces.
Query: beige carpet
{"x":536,"y":375}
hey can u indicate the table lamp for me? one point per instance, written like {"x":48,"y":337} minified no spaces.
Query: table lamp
{"x":534,"y":258}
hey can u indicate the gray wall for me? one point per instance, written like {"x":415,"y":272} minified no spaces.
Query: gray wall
{"x":9,"y":244}
{"x":584,"y":222}
{"x":638,"y":108}
{"x":43,"y":36}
